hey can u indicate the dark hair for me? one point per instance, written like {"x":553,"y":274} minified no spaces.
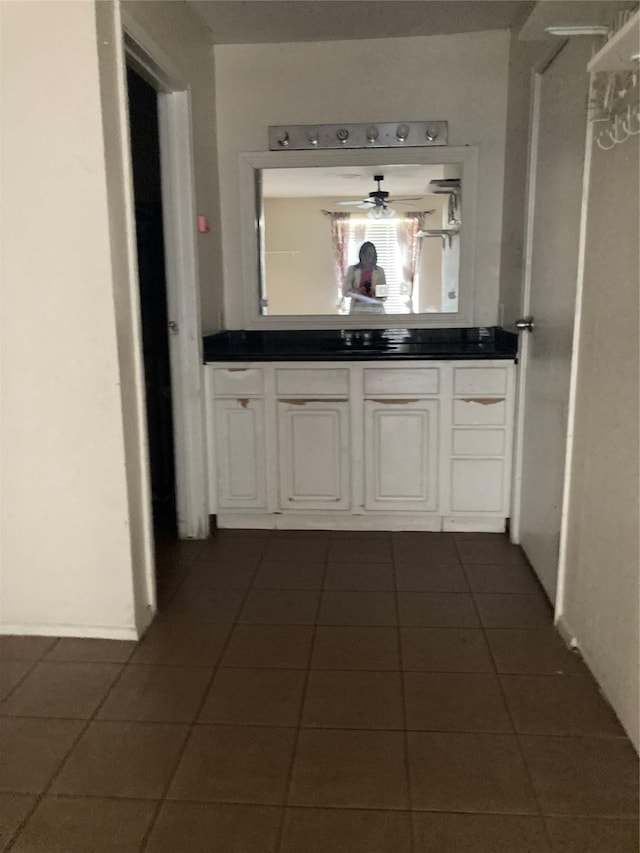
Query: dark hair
{"x":367,"y":245}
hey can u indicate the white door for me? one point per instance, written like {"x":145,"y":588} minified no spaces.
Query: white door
{"x":556,"y":176}
{"x":313,"y":441}
{"x":240,"y":453}
{"x":401,"y":455}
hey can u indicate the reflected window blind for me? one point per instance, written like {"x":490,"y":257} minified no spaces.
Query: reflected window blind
{"x":383,"y":236}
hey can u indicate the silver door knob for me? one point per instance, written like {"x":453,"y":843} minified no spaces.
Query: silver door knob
{"x":525,"y":323}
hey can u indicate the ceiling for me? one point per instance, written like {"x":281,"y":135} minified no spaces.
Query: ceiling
{"x":338,"y":182}
{"x":270,"y":21}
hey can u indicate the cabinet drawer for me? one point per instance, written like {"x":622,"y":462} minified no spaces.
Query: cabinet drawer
{"x":480,"y":380}
{"x":478,"y":442}
{"x":479,"y":411}
{"x":400,"y":381}
{"x":309,"y":382}
{"x":232,"y":381}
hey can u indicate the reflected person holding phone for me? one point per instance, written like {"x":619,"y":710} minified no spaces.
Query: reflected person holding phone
{"x":365,"y":283}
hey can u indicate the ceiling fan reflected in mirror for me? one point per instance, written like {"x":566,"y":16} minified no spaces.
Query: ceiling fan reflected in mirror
{"x":377,"y":202}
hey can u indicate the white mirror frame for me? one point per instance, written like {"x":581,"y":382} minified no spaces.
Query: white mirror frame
{"x":466,"y":158}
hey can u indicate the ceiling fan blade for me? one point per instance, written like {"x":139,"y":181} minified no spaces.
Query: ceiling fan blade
{"x":349,"y":202}
{"x":407,"y":198}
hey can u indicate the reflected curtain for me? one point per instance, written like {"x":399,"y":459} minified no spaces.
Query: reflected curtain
{"x":341,"y":229}
{"x":410,"y":246}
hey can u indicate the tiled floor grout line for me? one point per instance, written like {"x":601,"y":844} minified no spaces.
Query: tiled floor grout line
{"x":87,"y":722}
{"x":192,"y":725}
{"x":350,"y":808}
{"x":521,"y":753}
{"x":407,"y":763}
{"x":319,"y":728}
{"x":294,"y":751}
{"x":34,"y":664}
{"x":510,"y":714}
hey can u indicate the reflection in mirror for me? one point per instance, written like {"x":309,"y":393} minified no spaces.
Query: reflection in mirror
{"x":315,"y":220}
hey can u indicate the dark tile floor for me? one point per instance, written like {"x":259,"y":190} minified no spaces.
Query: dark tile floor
{"x":318,"y":693}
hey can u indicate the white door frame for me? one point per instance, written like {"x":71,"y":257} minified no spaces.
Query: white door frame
{"x":573,"y":389}
{"x":181,"y":266}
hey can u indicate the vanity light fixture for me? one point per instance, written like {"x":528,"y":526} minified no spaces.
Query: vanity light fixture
{"x":586,"y":30}
{"x":406,"y":134}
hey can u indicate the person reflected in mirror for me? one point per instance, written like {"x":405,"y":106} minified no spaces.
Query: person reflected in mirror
{"x":365,"y":283}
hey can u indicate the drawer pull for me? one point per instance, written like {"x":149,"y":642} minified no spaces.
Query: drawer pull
{"x":483,"y":401}
{"x":401,"y":402}
{"x":302,"y":401}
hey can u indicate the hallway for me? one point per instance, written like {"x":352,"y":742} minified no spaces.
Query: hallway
{"x":318,"y":692}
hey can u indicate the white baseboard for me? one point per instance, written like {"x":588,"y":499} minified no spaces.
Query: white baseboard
{"x":346,"y":521}
{"x":474,"y":524}
{"x":566,"y":632}
{"x":569,"y":637}
{"x":99,"y":632}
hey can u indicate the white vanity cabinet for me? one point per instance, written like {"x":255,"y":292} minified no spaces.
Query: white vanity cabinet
{"x":236,"y":429}
{"x":312,"y":413}
{"x":361,"y":445}
{"x":481,"y":433}
{"x":401,"y":438}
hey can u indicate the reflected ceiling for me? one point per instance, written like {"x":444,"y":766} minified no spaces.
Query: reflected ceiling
{"x":348,"y":181}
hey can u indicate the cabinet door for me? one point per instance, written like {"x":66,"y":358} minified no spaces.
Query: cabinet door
{"x":313,"y":439}
{"x":401,"y":454}
{"x":240,"y":453}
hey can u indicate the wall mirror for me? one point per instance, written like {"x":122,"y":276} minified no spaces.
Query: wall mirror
{"x":306,"y":215}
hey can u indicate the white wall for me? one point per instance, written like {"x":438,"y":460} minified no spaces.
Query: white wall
{"x":76,"y":551}
{"x":299,"y":257}
{"x":460,"y":78}
{"x":600,"y":603}
{"x":66,"y":554}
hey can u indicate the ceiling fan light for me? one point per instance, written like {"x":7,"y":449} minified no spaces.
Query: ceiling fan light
{"x":380,"y":212}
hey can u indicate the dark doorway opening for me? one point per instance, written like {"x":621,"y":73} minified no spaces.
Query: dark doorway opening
{"x":145,"y":153}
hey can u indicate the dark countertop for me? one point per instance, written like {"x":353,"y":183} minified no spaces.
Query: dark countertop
{"x":362,"y":345}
